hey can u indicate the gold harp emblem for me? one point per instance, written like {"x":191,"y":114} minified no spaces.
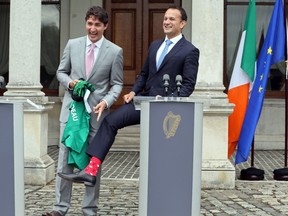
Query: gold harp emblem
{"x":170,"y":124}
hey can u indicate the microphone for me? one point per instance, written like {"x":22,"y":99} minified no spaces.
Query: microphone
{"x":166,"y":80}
{"x":178,"y":81}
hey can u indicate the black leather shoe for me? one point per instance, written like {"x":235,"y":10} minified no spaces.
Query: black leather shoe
{"x":79,"y":177}
{"x":53,"y":213}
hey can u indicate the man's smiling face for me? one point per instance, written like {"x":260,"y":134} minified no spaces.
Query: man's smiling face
{"x":172,"y":23}
{"x":95,"y":29}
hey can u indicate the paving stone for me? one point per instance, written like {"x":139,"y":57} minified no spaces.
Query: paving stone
{"x":120,"y":189}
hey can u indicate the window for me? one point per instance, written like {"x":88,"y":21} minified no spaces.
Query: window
{"x":4,"y":41}
{"x":235,"y":14}
{"x":50,"y":44}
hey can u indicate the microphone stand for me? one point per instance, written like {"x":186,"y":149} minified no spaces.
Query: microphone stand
{"x":178,"y":84}
{"x":166,"y":79}
{"x":166,"y":87}
{"x":178,"y":88}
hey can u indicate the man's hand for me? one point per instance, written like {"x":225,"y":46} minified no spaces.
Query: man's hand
{"x":73,"y":83}
{"x":128,"y":97}
{"x":98,"y":109}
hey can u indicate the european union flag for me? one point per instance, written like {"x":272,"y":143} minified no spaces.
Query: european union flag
{"x":272,"y":51}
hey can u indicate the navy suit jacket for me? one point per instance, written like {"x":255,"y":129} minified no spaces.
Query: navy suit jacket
{"x":182,"y":59}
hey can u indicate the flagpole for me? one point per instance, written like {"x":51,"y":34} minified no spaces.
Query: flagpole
{"x":250,"y":173}
{"x":286,"y":114}
{"x":286,"y":92}
{"x":282,"y":173}
{"x":252,"y":153}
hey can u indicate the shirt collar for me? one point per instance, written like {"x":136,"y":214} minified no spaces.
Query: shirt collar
{"x":98,"y":43}
{"x":175,"y":39}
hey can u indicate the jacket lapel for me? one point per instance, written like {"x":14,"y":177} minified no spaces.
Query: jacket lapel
{"x":82,"y":54}
{"x":154,"y":53}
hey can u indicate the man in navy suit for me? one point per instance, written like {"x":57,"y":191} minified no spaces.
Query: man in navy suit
{"x":181,"y":59}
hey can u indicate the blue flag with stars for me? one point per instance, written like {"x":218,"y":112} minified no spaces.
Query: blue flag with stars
{"x":272,"y":51}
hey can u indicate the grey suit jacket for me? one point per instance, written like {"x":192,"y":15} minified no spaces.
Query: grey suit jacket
{"x":106,"y":75}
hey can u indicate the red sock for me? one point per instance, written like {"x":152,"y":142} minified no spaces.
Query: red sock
{"x":93,"y":166}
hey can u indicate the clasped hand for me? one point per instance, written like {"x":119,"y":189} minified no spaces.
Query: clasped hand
{"x":128,"y":97}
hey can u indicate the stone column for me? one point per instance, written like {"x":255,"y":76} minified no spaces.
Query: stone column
{"x":207,"y":35}
{"x":24,"y":52}
{"x":24,"y":83}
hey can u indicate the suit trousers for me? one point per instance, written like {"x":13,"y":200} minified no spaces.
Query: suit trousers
{"x":125,"y":115}
{"x":63,"y":191}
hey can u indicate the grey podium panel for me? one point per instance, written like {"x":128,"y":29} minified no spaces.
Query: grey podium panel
{"x":11,"y":159}
{"x":170,"y":158}
{"x":7,"y":204}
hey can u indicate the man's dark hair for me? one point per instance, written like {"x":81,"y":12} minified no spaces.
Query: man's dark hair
{"x":99,"y":13}
{"x":182,"y":11}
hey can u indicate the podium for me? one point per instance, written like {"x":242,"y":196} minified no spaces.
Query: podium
{"x":12,"y":192}
{"x":11,"y":158}
{"x":170,"y":156}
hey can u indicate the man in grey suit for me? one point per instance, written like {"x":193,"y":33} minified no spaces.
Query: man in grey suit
{"x":107,"y":77}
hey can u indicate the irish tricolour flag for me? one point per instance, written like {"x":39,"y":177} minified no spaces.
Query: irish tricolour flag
{"x":242,"y":77}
